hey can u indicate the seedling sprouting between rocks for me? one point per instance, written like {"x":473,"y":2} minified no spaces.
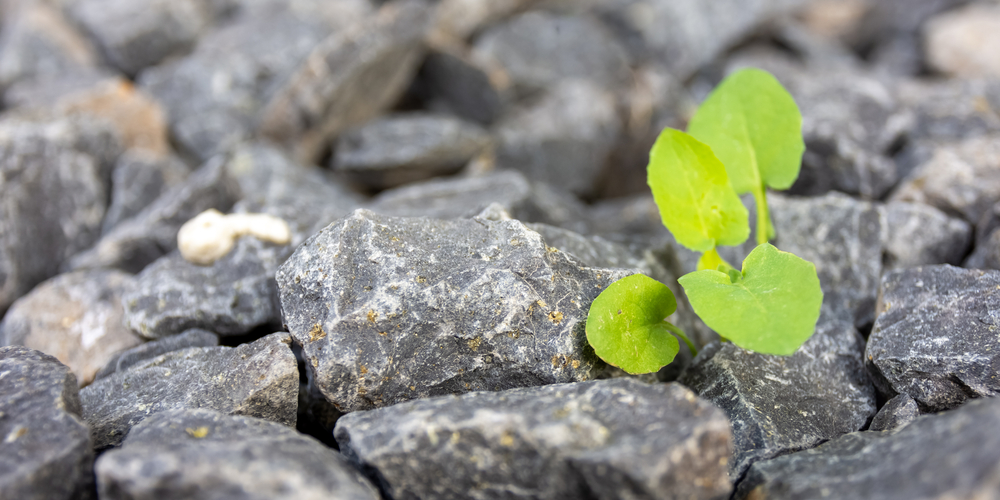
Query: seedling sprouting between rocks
{"x":746,"y":137}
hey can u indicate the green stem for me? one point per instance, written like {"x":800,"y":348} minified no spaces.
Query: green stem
{"x":765,"y":230}
{"x":712,"y":260}
{"x":677,"y":331}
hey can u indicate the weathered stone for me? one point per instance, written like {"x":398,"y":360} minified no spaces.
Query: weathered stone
{"x":539,"y":50}
{"x":604,"y":439}
{"x":459,"y":19}
{"x":451,"y":82}
{"x":895,"y":413}
{"x":201,"y":454}
{"x":138,"y":179}
{"x":920,"y":235}
{"x":986,"y":254}
{"x":76,"y":317}
{"x":964,"y":42}
{"x":934,"y":338}
{"x":134,"y":35}
{"x":564,"y":139}
{"x":53,"y":183}
{"x":46,"y":452}
{"x":400,"y":149}
{"x":780,"y":404}
{"x":260,"y":379}
{"x":126,"y":359}
{"x":347,"y":79}
{"x":936,"y":457}
{"x":390,"y":309}
{"x":139,"y":121}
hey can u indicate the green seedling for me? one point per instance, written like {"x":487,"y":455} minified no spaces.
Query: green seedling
{"x":745,"y":138}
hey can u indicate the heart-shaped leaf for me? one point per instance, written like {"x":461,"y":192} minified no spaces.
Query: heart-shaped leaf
{"x":626,"y":325}
{"x":773,"y":309}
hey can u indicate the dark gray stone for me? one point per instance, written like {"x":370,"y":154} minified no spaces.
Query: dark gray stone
{"x":920,"y":235}
{"x":986,"y":254}
{"x":390,"y":309}
{"x":399,"y":149}
{"x":935,"y":335}
{"x":138,"y":179}
{"x":45,"y":453}
{"x":781,"y":404}
{"x":890,"y":32}
{"x":951,"y":109}
{"x":936,"y":457}
{"x":564,"y":139}
{"x":201,"y":454}
{"x":454,"y":83}
{"x":259,"y":379}
{"x":896,"y":413}
{"x":54,"y":186}
{"x":605,"y":439}
{"x":126,"y":359}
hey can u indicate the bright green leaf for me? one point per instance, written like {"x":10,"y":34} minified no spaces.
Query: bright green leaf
{"x":626,"y":325}
{"x":692,"y":190}
{"x":773,"y":309}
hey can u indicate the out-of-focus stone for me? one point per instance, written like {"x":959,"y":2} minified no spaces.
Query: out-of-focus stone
{"x":399,"y":149}
{"x":459,"y":19}
{"x":895,"y":413}
{"x":260,"y":379}
{"x":833,"y":19}
{"x":964,"y":42}
{"x":920,"y":235}
{"x":890,"y":33}
{"x":124,"y":360}
{"x":986,"y":254}
{"x":138,"y":119}
{"x":935,"y":335}
{"x":451,"y":82}
{"x":778,"y":404}
{"x":201,"y":454}
{"x":75,"y":317}
{"x":46,"y":452}
{"x":139,"y":178}
{"x":604,"y":439}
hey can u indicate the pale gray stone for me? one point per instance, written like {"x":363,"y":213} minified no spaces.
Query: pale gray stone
{"x":920,"y":235}
{"x":125,"y":359}
{"x":895,"y":413}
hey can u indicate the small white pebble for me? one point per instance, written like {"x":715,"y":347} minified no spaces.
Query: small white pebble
{"x":211,"y":235}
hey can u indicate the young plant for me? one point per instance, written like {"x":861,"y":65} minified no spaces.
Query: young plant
{"x":744,"y":138}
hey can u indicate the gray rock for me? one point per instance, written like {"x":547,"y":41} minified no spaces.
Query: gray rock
{"x":202,"y":454}
{"x":399,"y":149}
{"x":46,"y":452}
{"x":347,"y":79}
{"x":950,"y":110}
{"x":390,"y":309}
{"x":75,"y":317}
{"x":126,"y":359}
{"x":781,"y":404}
{"x":454,"y":83}
{"x":605,"y":439}
{"x":260,"y":379}
{"x":920,"y":235}
{"x":935,"y":335}
{"x":563,"y":139}
{"x":896,"y":413}
{"x":538,"y":50}
{"x":54,"y":184}
{"x":134,"y":35}
{"x":986,"y":254}
{"x":137,"y":180}
{"x":944,"y":456}
{"x":136,"y":242}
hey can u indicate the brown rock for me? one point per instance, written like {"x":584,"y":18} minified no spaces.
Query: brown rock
{"x":965,"y":42}
{"x":139,"y":120}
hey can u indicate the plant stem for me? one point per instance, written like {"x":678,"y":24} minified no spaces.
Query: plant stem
{"x":677,"y":331}
{"x":712,"y":260}
{"x":765,"y":230}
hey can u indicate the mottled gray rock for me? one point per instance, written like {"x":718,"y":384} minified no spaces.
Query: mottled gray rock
{"x":46,"y":452}
{"x":540,"y":49}
{"x":138,"y":179}
{"x":260,"y":379}
{"x":136,"y":242}
{"x":54,"y":184}
{"x":935,"y":335}
{"x":399,"y":149}
{"x":347,"y":79}
{"x":986,"y":254}
{"x":936,"y":457}
{"x":951,"y":109}
{"x":606,"y":439}
{"x":75,"y":317}
{"x":563,"y":139}
{"x":889,"y":31}
{"x":390,"y":309}
{"x":452,"y":82}
{"x":125,"y":359}
{"x":895,"y":413}
{"x":920,"y":235}
{"x":202,"y":454}
{"x":781,"y":404}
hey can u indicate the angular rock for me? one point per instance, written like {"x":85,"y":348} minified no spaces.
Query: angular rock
{"x":781,"y":404}
{"x":139,"y":178}
{"x":260,"y":379}
{"x":399,"y":149}
{"x":920,"y":235}
{"x":202,"y":454}
{"x":46,"y":452}
{"x":455,"y":84}
{"x":125,"y":359}
{"x":896,"y":413}
{"x":604,"y":439}
{"x":964,"y":42}
{"x":564,"y":139}
{"x":390,"y":309}
{"x":75,"y":317}
{"x":935,"y":335}
{"x":347,"y":79}
{"x":53,"y":183}
{"x":949,"y":455}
